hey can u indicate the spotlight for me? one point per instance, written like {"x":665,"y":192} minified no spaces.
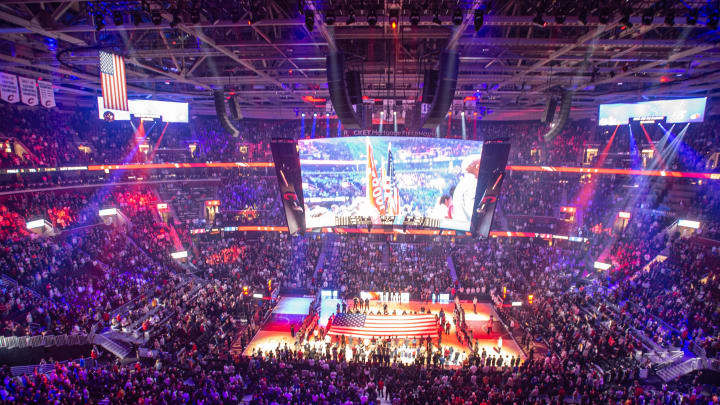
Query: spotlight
{"x":457,"y":18}
{"x":648,"y":16}
{"x":414,"y":17}
{"x":351,"y":17}
{"x":604,"y":16}
{"x":117,"y":18}
{"x":195,"y":16}
{"x":583,"y":16}
{"x":478,"y":19}
{"x":136,"y":17}
{"x":712,"y":20}
{"x":156,"y":17}
{"x":538,"y":20}
{"x":692,"y":16}
{"x":99,"y":22}
{"x":625,"y":21}
{"x":330,"y":17}
{"x":670,"y":18}
{"x":394,"y":16}
{"x":175,"y":18}
{"x":436,"y":18}
{"x":309,"y":20}
{"x":560,"y":17}
{"x":372,"y":18}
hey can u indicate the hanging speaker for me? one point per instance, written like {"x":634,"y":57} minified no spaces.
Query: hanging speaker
{"x":337,"y":87}
{"x":235,"y":111}
{"x":430,"y":81}
{"x":560,"y":120}
{"x":445,"y":92}
{"x":354,"y":85}
{"x":549,"y":112}
{"x":221,"y":113}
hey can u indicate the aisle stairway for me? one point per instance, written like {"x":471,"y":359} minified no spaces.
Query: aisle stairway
{"x":386,"y":257}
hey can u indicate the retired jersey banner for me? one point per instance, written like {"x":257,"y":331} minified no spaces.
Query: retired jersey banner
{"x":47,"y":95}
{"x":28,"y":91}
{"x":9,"y":88}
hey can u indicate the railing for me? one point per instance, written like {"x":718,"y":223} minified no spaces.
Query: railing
{"x":17,"y":371}
{"x":22,"y":342}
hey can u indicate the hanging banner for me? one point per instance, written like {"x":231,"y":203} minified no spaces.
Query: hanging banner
{"x":47,"y":95}
{"x":9,"y":88}
{"x":28,"y":91}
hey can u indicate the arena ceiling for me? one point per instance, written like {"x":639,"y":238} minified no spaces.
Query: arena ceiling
{"x":265,"y":53}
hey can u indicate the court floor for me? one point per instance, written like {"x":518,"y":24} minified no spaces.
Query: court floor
{"x":291,"y":311}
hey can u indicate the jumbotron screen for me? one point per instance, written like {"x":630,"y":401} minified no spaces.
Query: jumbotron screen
{"x":422,"y":182}
{"x":674,"y":111}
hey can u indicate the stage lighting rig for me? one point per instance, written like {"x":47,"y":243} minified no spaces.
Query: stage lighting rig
{"x":330,"y":17}
{"x":604,"y":16}
{"x":414,"y":17}
{"x":583,"y":16}
{"x":372,"y":17}
{"x":156,"y":17}
{"x":137,"y":17}
{"x":117,"y":18}
{"x":99,"y":21}
{"x":351,"y":17}
{"x":670,"y":18}
{"x":692,"y":16}
{"x":478,"y":19}
{"x":538,"y":20}
{"x":625,"y":20}
{"x":309,"y":20}
{"x":457,"y":17}
{"x":175,"y":18}
{"x":648,"y":16}
{"x":560,"y":17}
{"x":394,"y":16}
{"x":195,"y":16}
{"x":712,"y":20}
{"x":436,"y":18}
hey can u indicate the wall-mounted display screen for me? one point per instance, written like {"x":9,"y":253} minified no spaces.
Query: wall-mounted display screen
{"x":168,"y":111}
{"x":674,"y":111}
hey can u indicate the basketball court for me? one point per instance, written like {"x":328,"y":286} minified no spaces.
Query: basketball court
{"x":292,"y":310}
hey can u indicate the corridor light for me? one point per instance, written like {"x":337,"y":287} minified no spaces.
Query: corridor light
{"x":601,"y":266}
{"x":686,"y":223}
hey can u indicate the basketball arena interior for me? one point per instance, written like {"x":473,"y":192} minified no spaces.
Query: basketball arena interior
{"x":279,"y":202}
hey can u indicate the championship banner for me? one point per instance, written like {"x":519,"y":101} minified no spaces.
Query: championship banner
{"x":9,"y":88}
{"x":28,"y":91}
{"x":47,"y":95}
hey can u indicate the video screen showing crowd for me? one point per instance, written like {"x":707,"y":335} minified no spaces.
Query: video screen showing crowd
{"x":392,"y":181}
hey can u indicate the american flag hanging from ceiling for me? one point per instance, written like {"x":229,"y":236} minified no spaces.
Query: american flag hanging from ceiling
{"x":114,"y":86}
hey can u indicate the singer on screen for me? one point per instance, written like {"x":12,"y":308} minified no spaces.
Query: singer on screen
{"x":464,"y":196}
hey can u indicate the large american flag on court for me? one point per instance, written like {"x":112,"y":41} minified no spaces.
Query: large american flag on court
{"x":367,"y":326}
{"x":114,"y":86}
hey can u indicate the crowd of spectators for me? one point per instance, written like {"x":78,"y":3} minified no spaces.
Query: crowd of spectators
{"x":270,"y":257}
{"x":248,"y":200}
{"x":590,"y":324}
{"x":356,"y":264}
